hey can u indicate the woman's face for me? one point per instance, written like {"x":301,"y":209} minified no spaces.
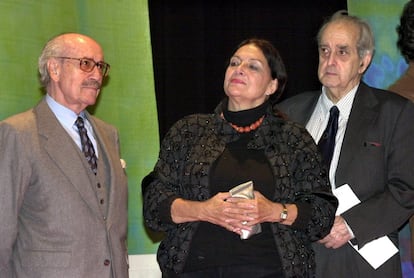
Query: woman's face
{"x":248,"y":81}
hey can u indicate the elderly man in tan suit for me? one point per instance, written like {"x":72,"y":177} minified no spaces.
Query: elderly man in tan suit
{"x":63,"y":193}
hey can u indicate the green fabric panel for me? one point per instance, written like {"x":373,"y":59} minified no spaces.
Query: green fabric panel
{"x":128,"y":99}
{"x":383,"y":17}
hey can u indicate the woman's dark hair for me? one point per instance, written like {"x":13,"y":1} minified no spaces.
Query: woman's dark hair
{"x":405,"y":32}
{"x":276,"y":65}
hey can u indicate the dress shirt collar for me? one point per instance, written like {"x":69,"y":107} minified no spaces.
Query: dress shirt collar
{"x":65,"y":116}
{"x":344,"y":104}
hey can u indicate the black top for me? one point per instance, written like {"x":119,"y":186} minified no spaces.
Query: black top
{"x":213,"y":245}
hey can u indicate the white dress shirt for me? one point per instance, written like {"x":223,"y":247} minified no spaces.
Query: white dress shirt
{"x":319,"y":120}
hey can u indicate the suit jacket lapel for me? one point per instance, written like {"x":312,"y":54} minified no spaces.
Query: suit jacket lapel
{"x":107,"y":149}
{"x":299,"y":109}
{"x":69,"y":159}
{"x":363,"y":112}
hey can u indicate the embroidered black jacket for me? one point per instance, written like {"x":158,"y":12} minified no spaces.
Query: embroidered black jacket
{"x":182,"y":171}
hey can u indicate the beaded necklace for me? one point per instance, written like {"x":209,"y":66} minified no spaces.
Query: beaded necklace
{"x":245,"y":129}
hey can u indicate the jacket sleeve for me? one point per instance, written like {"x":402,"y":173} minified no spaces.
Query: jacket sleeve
{"x":15,"y":171}
{"x":161,"y":187}
{"x":384,"y":179}
{"x":311,"y":188}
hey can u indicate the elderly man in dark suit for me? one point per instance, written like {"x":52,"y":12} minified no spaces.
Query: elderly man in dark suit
{"x":373,"y":151}
{"x":63,"y":191}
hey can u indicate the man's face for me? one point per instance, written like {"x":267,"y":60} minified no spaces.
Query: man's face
{"x":73,"y":87}
{"x":340,"y":67}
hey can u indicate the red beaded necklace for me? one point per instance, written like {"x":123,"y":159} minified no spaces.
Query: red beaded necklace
{"x":245,"y":129}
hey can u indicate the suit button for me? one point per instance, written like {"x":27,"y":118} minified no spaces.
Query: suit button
{"x":107,"y":262}
{"x":98,"y":185}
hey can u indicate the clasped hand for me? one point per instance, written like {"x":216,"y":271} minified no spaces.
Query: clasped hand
{"x":338,"y":236}
{"x":235,"y":214}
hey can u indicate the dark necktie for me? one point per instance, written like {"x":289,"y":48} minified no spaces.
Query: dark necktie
{"x":87,"y":146}
{"x":327,"y":142}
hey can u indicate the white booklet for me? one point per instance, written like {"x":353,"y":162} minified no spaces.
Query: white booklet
{"x":370,"y":252}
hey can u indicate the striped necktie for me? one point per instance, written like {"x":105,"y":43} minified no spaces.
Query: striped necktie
{"x":87,"y":146}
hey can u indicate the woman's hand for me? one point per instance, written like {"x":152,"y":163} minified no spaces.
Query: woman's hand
{"x":221,"y":209}
{"x":260,"y":209}
{"x":231,"y":213}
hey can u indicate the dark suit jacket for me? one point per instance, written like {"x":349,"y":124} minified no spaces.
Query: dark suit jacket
{"x":376,"y":160}
{"x":51,"y":221}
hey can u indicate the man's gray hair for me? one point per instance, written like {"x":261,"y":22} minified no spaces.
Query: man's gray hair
{"x":365,"y":44}
{"x":53,"y":48}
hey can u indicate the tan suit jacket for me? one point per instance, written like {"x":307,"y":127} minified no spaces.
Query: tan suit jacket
{"x":51,"y":221}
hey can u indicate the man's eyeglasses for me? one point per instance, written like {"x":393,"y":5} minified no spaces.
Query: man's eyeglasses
{"x":87,"y":65}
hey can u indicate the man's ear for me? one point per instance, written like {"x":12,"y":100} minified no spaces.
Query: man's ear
{"x":53,"y":67}
{"x":365,"y":61}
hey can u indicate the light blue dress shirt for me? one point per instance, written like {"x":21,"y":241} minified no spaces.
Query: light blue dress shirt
{"x":67,"y":119}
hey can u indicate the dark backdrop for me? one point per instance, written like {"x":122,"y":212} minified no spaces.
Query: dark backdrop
{"x":192,"y":41}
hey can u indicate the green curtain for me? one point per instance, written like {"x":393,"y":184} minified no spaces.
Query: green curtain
{"x":128,"y":99}
{"x":383,"y":16}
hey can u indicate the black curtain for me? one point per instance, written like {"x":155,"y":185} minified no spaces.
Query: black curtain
{"x":193,"y":40}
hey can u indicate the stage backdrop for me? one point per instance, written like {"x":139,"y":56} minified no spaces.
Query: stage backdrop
{"x":388,"y":65}
{"x":127,"y":101}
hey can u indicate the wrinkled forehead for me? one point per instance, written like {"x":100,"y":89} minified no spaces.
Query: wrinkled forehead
{"x":79,"y":46}
{"x":341,"y":32}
